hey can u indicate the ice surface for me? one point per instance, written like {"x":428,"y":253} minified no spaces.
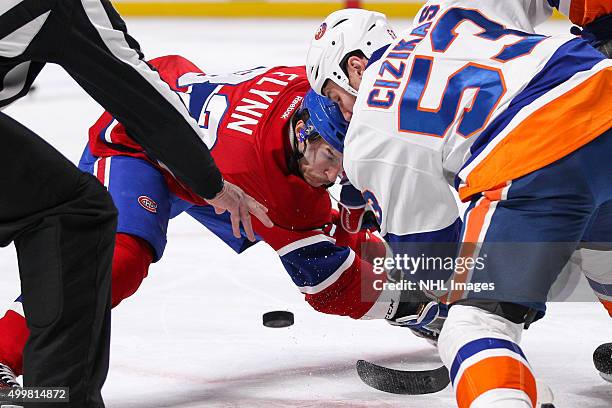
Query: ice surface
{"x":192,"y":335}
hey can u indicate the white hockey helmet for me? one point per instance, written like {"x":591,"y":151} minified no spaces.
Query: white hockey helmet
{"x":342,"y":32}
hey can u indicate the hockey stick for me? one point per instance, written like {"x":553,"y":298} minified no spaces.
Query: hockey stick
{"x":409,"y":382}
{"x":402,"y":381}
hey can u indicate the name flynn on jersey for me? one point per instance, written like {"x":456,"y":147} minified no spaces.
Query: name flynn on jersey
{"x":250,"y":110}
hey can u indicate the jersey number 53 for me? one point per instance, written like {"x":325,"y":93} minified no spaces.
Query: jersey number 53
{"x":486,"y":81}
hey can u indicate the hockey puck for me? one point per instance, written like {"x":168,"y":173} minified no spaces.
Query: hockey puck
{"x":602,"y":358}
{"x":278,"y":318}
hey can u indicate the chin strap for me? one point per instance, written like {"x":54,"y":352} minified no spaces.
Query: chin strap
{"x":296,"y":155}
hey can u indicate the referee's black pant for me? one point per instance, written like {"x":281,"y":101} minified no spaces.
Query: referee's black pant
{"x":61,"y":220}
{"x":63,"y":223}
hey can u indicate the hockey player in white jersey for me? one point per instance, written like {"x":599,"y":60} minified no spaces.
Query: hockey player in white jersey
{"x":518,"y":123}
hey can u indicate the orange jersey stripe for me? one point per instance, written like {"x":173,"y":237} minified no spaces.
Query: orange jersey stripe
{"x":475,"y":223}
{"x":473,"y":228}
{"x":541,"y":139}
{"x":493,"y":373}
{"x":585,"y":11}
{"x":496,"y":193}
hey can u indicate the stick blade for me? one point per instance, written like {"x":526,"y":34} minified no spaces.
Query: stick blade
{"x":402,"y":382}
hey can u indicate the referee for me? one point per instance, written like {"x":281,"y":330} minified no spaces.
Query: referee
{"x":63,"y":221}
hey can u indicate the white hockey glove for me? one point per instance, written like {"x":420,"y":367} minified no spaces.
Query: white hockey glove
{"x":419,"y":311}
{"x":426,"y":321}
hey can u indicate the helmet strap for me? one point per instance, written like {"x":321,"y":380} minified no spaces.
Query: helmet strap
{"x":296,"y":154}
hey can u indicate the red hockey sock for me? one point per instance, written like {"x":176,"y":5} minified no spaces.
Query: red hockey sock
{"x":131,"y":262}
{"x":13,"y":336}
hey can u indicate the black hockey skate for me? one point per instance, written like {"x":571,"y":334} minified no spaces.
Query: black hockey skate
{"x":7,"y":378}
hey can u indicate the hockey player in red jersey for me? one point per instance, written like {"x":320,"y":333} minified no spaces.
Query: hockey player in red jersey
{"x":281,"y":145}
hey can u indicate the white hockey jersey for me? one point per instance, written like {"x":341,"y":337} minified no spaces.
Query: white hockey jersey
{"x":471,"y":97}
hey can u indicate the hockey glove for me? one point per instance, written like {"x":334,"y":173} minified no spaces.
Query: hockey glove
{"x":428,"y":318}
{"x":419,"y":311}
{"x":365,"y":241}
{"x":354,"y":213}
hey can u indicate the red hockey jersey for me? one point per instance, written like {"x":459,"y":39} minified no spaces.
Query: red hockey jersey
{"x":245,"y":118}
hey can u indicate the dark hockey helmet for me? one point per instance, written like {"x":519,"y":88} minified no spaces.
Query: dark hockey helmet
{"x":325,"y":120}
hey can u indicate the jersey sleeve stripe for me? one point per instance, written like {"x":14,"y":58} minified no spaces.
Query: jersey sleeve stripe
{"x":303,"y":243}
{"x":106,"y":133}
{"x":309,"y":266}
{"x":311,"y":290}
{"x":537,"y":140}
{"x":570,"y":58}
{"x":352,"y":294}
{"x":527,"y":136}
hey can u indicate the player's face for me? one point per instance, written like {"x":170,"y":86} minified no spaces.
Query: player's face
{"x":321,"y":164}
{"x":341,"y":97}
{"x":354,"y":67}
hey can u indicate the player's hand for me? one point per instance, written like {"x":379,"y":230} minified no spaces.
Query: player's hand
{"x":240,"y":206}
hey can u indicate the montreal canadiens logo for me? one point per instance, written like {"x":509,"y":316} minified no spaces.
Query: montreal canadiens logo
{"x":321,"y":31}
{"x":147,"y":203}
